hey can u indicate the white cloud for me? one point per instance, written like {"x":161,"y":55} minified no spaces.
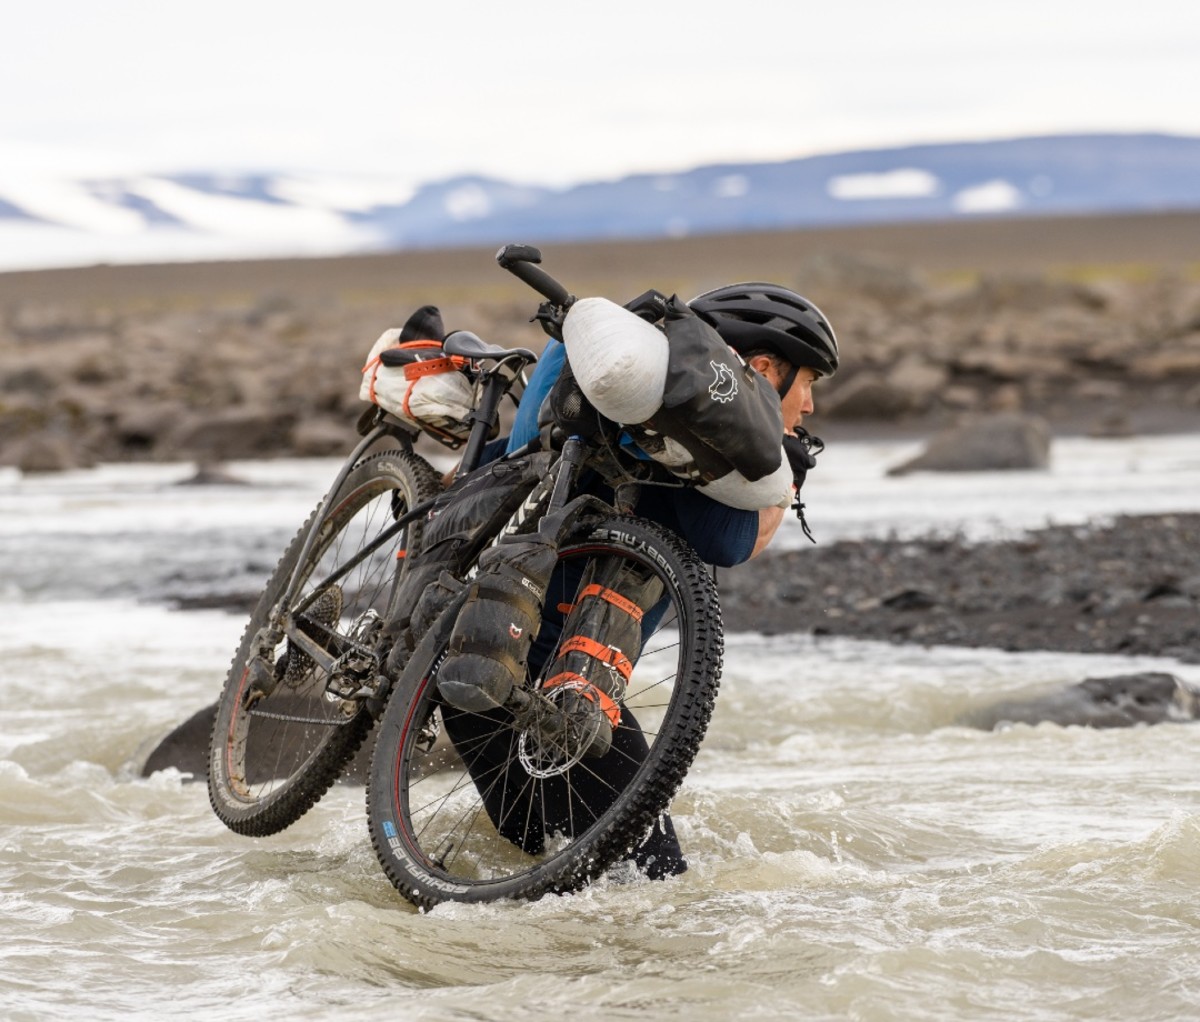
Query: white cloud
{"x":902,"y":183}
{"x":124,"y":93}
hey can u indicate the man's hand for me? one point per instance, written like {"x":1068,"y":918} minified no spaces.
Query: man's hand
{"x":801,"y":449}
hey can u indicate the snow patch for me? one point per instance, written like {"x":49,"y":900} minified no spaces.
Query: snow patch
{"x":996,"y":196}
{"x":470,"y":202}
{"x":902,"y":183}
{"x":233,"y":217}
{"x":731,"y":186}
{"x":346,"y":195}
{"x":27,"y":245}
{"x":71,"y":204}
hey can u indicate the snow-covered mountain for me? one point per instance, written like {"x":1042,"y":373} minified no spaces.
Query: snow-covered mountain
{"x":209,"y":216}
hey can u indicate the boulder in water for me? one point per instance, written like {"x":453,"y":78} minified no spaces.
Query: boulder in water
{"x":186,"y":750}
{"x":1005,"y":440}
{"x":1123,"y":700}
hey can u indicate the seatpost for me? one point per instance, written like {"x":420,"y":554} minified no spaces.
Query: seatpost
{"x":482,"y":420}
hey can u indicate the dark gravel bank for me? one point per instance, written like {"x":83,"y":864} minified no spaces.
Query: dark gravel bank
{"x":1131,"y":586}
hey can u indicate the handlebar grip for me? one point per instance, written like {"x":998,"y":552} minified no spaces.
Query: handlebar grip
{"x":510,"y":254}
{"x":519,"y":260}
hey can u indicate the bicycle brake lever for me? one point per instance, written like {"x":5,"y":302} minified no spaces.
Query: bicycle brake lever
{"x":551,"y":318}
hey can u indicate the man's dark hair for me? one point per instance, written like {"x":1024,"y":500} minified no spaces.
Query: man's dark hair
{"x":781,"y":365}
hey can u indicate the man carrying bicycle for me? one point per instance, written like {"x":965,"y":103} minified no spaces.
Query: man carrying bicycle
{"x":787,"y":341}
{"x":538,"y":646}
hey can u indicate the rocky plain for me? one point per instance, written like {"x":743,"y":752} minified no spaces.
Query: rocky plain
{"x":1075,"y":325}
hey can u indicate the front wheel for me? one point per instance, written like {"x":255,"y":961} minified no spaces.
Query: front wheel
{"x":466,"y":806}
{"x":288,"y":719}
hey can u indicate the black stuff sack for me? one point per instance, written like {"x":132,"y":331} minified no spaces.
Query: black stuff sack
{"x":497,"y":624}
{"x":502,"y":614}
{"x":602,"y":639}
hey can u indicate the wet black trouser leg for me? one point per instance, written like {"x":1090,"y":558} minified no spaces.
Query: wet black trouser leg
{"x":525,"y":809}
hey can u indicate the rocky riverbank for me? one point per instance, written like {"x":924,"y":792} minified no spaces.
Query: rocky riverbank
{"x":224,"y":361}
{"x":1085,"y":325}
{"x":1130,"y":586}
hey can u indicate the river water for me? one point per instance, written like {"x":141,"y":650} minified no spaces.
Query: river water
{"x":855,"y":852}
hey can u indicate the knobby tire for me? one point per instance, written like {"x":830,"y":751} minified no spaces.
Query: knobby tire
{"x":276,"y":748}
{"x":436,"y":824}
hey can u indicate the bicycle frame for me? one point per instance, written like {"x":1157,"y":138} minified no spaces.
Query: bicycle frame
{"x":495,"y":383}
{"x":551,"y":494}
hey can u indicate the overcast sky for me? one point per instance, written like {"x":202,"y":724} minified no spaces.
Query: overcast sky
{"x":558,"y":92}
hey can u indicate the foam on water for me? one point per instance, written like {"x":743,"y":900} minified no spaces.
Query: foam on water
{"x":856,"y":851}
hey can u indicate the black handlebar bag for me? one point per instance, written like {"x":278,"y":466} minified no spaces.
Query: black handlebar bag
{"x":725,"y":414}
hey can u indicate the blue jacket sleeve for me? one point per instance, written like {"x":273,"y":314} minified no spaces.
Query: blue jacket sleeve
{"x":525,"y":425}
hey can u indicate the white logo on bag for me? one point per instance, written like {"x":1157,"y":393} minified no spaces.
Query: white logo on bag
{"x":514,"y":631}
{"x":724,"y":386}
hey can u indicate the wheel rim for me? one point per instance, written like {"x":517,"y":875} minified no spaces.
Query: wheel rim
{"x":273,"y":736}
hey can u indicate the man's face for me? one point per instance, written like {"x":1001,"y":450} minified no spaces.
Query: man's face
{"x":798,"y":401}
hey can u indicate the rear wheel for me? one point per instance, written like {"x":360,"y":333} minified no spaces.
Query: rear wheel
{"x":290,"y":718}
{"x":476,"y":807}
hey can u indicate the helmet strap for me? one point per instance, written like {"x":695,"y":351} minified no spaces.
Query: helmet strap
{"x":788,"y":381}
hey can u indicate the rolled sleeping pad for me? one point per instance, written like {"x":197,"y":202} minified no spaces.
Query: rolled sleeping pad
{"x":619,"y":360}
{"x":735,"y":490}
{"x":732,"y":489}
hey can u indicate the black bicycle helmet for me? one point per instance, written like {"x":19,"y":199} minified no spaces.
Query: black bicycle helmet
{"x":756,"y":315}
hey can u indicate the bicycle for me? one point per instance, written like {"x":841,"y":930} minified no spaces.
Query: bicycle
{"x":513,"y":798}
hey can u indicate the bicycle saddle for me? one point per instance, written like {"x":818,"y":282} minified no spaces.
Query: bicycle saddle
{"x":468,"y":345}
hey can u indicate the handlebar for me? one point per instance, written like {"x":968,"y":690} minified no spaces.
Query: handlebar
{"x":520,"y":261}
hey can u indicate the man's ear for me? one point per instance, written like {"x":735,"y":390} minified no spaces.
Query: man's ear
{"x":762,"y":364}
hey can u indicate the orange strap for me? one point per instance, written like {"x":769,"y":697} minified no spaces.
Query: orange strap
{"x":372,"y":367}
{"x":430,"y":367}
{"x":429,"y":426}
{"x":615,"y":598}
{"x":589,"y":691}
{"x":610,"y":655}
{"x":414,"y":370}
{"x":407,"y":394}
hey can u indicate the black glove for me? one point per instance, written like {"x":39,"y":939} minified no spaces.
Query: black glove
{"x":802,"y":450}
